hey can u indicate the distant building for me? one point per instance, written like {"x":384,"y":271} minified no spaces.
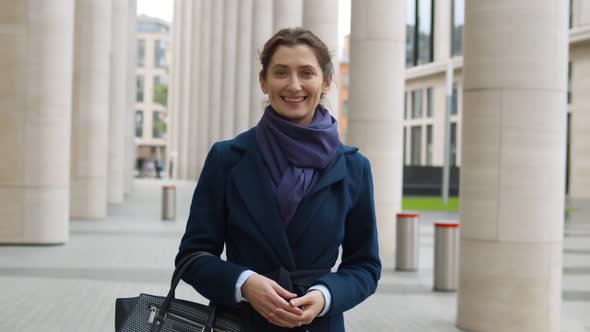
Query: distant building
{"x":429,"y":48}
{"x":153,"y":55}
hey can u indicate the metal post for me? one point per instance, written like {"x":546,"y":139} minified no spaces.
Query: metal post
{"x":447,"y":143}
{"x":407,"y":242}
{"x":446,"y":256}
{"x":168,"y":202}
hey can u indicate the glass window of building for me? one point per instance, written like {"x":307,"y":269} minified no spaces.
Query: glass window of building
{"x":159,"y":54}
{"x":429,"y":145}
{"x":138,"y":124}
{"x":419,"y":32}
{"x":410,"y":32}
{"x":425,"y":32}
{"x":458,"y":12}
{"x":158,"y":125}
{"x":416,"y":142}
{"x":416,"y":104}
{"x":569,"y":82}
{"x":454,"y":99}
{"x":140,"y":52}
{"x":453,"y":159}
{"x":405,"y":105}
{"x":429,"y":102}
{"x":139,"y":89}
{"x":404,"y":147}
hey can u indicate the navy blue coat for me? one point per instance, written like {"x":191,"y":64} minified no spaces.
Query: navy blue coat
{"x":233,"y":204}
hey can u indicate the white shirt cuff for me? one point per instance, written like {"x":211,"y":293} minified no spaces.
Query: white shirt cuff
{"x":241,"y":280}
{"x":327,"y":297}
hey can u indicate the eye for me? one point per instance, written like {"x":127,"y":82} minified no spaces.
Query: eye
{"x":307,"y":73}
{"x":280,"y":73}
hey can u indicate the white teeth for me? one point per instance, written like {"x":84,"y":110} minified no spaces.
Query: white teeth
{"x":294,"y":100}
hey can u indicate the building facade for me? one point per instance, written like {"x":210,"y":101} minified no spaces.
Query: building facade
{"x":153,"y":59}
{"x":434,"y":41}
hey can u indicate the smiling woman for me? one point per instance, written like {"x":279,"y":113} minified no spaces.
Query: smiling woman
{"x":294,"y":80}
{"x":283,"y":197}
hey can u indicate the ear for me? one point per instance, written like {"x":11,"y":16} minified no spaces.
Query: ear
{"x":263,"y":85}
{"x":326,"y":84}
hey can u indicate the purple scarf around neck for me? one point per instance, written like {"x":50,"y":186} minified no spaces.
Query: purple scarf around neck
{"x":293,"y":154}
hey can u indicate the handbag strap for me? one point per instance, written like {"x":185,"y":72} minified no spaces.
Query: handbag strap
{"x":176,"y":276}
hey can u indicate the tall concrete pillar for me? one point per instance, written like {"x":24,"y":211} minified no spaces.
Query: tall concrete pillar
{"x":579,"y":181}
{"x":244,"y":71}
{"x":287,"y":14}
{"x":36,"y":63}
{"x":117,"y":171}
{"x":184,"y":76}
{"x":261,"y":32}
{"x":130,"y":147}
{"x":377,"y":59}
{"x":321,"y":17}
{"x":173,"y":104}
{"x":215,"y":71}
{"x":228,"y":95}
{"x":513,"y":165}
{"x":580,"y":127}
{"x":194,"y":87}
{"x":90,"y":109}
{"x":204,"y":95}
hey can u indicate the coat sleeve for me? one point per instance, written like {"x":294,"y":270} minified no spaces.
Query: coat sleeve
{"x":360,"y":268}
{"x":212,"y":277}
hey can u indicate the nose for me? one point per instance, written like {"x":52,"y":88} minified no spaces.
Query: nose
{"x":294,"y":84}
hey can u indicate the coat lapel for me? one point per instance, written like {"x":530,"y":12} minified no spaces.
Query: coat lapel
{"x":255,"y":190}
{"x":313,"y":200}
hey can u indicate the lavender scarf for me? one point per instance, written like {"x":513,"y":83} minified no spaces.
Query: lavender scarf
{"x":293,"y":154}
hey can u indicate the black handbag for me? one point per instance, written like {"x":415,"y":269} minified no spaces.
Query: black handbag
{"x":151,"y":313}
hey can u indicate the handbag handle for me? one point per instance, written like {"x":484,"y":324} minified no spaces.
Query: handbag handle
{"x":176,"y":276}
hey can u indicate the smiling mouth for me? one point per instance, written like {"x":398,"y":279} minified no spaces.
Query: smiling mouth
{"x":293,"y":99}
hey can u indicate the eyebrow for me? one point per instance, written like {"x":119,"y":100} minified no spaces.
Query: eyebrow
{"x":280,"y":66}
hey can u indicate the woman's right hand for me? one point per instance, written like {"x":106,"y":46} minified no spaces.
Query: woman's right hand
{"x":271,"y":301}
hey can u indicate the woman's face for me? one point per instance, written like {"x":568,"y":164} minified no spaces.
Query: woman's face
{"x":294,"y":83}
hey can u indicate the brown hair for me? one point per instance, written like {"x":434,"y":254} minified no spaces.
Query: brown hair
{"x":293,"y":37}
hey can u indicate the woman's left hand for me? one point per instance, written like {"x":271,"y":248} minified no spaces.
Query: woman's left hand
{"x":311,"y":303}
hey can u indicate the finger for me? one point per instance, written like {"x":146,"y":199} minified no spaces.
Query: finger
{"x":283,"y":292}
{"x":310,"y":298}
{"x":288,"y":316}
{"x":279,"y":302}
{"x":276,"y":320}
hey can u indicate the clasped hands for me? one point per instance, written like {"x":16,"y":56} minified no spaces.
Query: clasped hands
{"x":279,"y":306}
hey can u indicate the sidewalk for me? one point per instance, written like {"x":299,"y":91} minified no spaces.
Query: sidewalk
{"x":73,"y":287}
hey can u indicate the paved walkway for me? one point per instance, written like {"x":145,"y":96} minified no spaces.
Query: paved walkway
{"x":73,"y":287}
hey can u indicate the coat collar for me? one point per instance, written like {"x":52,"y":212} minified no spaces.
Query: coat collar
{"x":254,"y":186}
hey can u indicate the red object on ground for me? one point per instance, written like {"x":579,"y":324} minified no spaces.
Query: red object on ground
{"x":407,"y":215}
{"x":446,"y":225}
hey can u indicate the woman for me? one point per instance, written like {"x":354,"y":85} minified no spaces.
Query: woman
{"x":283,"y":197}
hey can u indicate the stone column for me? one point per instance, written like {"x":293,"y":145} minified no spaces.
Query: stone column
{"x":130,"y":147}
{"x":215,"y":71}
{"x":173,"y":103}
{"x":204,"y":96}
{"x":117,"y":171}
{"x":261,"y":32}
{"x":36,"y":62}
{"x":90,"y":109}
{"x":513,"y":165}
{"x":230,"y":36}
{"x":184,"y":37}
{"x":579,"y":181}
{"x":194,"y":168}
{"x":377,"y":51}
{"x":321,"y":17}
{"x":244,"y":72}
{"x":580,"y":128}
{"x":287,"y":14}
